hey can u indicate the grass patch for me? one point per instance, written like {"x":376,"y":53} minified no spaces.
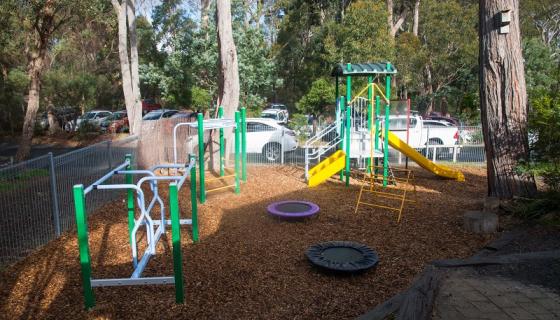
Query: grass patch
{"x":13,"y":182}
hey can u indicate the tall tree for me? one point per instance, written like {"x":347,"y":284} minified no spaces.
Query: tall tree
{"x":45,"y":18}
{"x":129,"y":66}
{"x":503,"y":101}
{"x":228,"y":85}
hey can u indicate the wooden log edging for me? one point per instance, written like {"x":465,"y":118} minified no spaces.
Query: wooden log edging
{"x":414,"y":303}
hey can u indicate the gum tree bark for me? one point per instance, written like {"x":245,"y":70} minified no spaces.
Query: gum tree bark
{"x":130,"y":91}
{"x":228,"y":82}
{"x":416,"y":17}
{"x":44,"y":26}
{"x":503,"y":101}
{"x":228,"y":86}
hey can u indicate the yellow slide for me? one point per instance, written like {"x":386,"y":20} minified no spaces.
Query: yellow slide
{"x":437,"y":169}
{"x":327,"y":168}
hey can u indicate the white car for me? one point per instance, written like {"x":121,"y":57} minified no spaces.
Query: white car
{"x":159,"y":114}
{"x":267,"y":137}
{"x":95,"y":117}
{"x":278,"y":115}
{"x":279,"y":106}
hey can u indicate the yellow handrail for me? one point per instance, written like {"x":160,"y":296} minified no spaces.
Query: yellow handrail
{"x":375,"y":86}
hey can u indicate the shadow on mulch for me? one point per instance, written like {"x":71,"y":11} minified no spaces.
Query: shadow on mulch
{"x":248,"y":265}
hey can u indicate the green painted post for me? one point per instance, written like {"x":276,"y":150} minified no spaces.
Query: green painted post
{"x":342,"y":103}
{"x":237,"y":149}
{"x":83,"y":246}
{"x":348,"y":124}
{"x":370,"y":116}
{"x":194,"y":205}
{"x":348,"y":84}
{"x":200,"y":120}
{"x":377,"y":129}
{"x":129,"y":198}
{"x":386,"y":135}
{"x":176,"y":241}
{"x":243,"y":145}
{"x":222,"y":149}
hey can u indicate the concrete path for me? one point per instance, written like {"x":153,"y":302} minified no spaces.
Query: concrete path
{"x":464,"y":294}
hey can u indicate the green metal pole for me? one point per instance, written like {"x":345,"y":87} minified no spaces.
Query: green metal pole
{"x":194,"y":205}
{"x":386,"y":135}
{"x":83,"y":247}
{"x":370,"y":117}
{"x":377,"y":129}
{"x":243,"y":145}
{"x":348,"y":123}
{"x":342,"y":103}
{"x":200,"y":119}
{"x":129,"y":198}
{"x":222,"y":150}
{"x":176,"y":240}
{"x":347,"y":130}
{"x":237,"y":149}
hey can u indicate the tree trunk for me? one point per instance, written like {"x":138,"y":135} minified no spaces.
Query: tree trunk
{"x":121,"y":10}
{"x":503,"y":102}
{"x":228,"y":84}
{"x":416,"y":18}
{"x":44,"y":26}
{"x":390,"y":14}
{"x":135,"y":125}
{"x":429,"y":90}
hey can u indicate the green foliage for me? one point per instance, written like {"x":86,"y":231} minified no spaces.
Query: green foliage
{"x":321,"y":94}
{"x":201,"y":99}
{"x":542,"y":72}
{"x":363,"y":35}
{"x":543,"y":209}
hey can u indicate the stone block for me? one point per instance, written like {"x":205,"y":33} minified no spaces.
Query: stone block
{"x":480,"y":222}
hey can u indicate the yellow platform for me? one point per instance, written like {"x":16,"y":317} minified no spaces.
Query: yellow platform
{"x":327,"y":168}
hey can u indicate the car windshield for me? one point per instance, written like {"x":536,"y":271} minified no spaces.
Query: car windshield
{"x":118,"y":115}
{"x":152,"y":116}
{"x":88,"y":115}
{"x":268,"y":115}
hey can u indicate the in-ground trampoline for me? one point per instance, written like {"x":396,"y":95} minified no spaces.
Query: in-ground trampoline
{"x":290,"y":209}
{"x":342,"y":256}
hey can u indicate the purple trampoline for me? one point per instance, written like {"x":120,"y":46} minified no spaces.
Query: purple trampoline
{"x":292,"y":209}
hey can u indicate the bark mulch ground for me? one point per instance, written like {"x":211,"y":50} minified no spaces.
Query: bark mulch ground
{"x":249,"y":265}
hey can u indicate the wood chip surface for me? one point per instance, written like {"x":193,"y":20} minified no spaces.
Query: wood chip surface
{"x":247,"y":264}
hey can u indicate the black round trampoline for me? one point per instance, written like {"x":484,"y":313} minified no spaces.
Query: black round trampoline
{"x":292,"y":209}
{"x":342,"y":256}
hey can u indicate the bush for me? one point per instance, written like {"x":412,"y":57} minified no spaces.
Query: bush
{"x":544,"y":127}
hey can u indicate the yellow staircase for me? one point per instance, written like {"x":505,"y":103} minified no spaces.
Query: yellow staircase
{"x":327,"y":168}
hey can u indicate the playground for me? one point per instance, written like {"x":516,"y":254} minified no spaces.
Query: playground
{"x":247,"y":263}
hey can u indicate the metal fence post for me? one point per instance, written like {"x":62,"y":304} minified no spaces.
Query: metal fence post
{"x":54,"y":195}
{"x":110,"y":154}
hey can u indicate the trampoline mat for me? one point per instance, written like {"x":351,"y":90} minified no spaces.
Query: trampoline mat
{"x":293,"y":207}
{"x":342,"y":256}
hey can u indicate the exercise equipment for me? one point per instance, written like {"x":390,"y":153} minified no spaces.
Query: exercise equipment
{"x":342,"y":256}
{"x":240,"y":160}
{"x":155,"y":227}
{"x":293,"y":209}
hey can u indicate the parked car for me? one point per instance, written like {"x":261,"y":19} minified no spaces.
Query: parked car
{"x":279,"y":106}
{"x":422,"y":133}
{"x":275,"y":114}
{"x":159,"y":114}
{"x":149,"y":105}
{"x":116,"y":123}
{"x":94,"y":117}
{"x":184,"y":115}
{"x":267,"y":137}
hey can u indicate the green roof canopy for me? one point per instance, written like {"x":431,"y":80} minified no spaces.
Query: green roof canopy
{"x":363,"y":69}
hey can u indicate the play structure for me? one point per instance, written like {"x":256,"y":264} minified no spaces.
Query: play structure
{"x":292,"y":209}
{"x":239,"y":171}
{"x":154,"y":223}
{"x":362,"y":136}
{"x":342,"y":256}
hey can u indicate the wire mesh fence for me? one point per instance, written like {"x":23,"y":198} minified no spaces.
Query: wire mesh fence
{"x":36,"y":195}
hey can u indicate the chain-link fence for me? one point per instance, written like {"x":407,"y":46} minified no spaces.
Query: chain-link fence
{"x":36,"y":195}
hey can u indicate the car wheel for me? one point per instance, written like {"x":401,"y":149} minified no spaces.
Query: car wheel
{"x":434,"y":142}
{"x":271,"y":152}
